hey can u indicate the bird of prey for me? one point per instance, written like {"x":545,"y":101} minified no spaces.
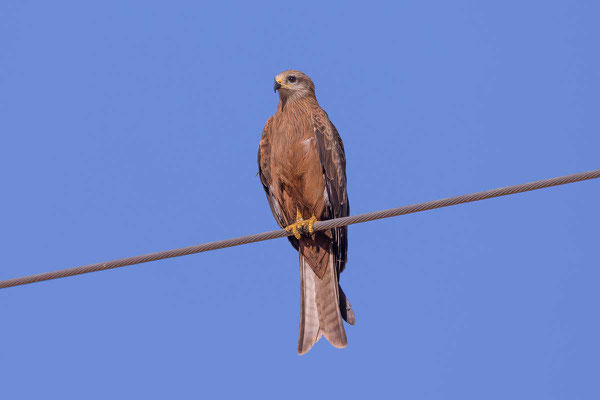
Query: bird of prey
{"x":302,"y":167}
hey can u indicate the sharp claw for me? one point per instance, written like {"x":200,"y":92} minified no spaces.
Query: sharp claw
{"x":294,"y":229}
{"x":301,"y":225}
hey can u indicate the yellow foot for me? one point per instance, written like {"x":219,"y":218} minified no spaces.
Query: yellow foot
{"x":301,"y":225}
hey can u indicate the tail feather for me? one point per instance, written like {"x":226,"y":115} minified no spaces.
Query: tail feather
{"x":309,"y":315}
{"x":320,"y":307}
{"x":346,"y":308}
{"x":328,"y":305}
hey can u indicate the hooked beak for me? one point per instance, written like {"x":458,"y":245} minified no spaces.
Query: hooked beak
{"x":276,"y":86}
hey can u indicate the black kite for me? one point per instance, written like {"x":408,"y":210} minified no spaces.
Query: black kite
{"x":302,"y":168}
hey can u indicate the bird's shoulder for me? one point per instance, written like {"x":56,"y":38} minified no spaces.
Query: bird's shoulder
{"x":268,"y":127}
{"x":327,"y":132}
{"x":264,"y":152}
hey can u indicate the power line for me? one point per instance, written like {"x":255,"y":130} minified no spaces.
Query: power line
{"x":319,"y":226}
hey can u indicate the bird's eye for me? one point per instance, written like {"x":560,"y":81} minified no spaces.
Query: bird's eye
{"x":291,"y":79}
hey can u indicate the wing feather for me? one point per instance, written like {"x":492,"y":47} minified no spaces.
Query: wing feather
{"x":264,"y":172}
{"x":333,"y":160}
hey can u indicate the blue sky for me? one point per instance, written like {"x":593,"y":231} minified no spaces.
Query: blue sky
{"x":132,"y":127}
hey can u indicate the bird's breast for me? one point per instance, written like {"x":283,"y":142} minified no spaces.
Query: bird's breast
{"x":295,"y":149}
{"x":295,"y":163}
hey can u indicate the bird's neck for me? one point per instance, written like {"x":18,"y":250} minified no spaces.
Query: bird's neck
{"x":289,"y":103}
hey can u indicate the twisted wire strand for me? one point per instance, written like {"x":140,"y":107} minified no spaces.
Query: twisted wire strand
{"x":318,"y":226}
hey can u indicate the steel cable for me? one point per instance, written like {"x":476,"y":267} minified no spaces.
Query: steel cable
{"x":318,"y":226}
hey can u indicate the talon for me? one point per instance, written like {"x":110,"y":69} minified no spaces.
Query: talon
{"x":301,"y":225}
{"x":294,"y":229}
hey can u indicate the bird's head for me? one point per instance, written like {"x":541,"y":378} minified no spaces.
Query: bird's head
{"x":293,"y":85}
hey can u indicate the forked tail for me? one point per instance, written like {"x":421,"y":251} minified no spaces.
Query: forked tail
{"x":320,"y":311}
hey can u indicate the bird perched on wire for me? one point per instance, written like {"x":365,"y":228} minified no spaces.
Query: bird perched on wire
{"x":302,"y":167}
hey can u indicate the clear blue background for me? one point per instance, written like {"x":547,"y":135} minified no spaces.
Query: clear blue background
{"x":132,"y":127}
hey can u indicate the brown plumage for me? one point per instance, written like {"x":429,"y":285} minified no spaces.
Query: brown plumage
{"x":302,"y":167}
